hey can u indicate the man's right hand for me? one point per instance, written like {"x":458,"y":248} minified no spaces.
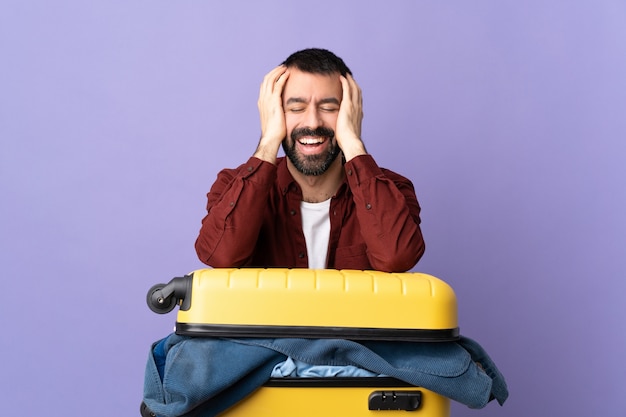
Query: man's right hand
{"x":273,"y":128}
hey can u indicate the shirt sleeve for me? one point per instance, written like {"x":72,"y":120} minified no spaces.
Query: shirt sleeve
{"x":389,"y":215}
{"x":235,"y":207}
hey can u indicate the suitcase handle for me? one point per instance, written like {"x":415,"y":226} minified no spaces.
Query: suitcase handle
{"x":162,"y":298}
{"x":395,"y":400}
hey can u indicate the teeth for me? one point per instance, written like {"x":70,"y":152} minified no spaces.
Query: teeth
{"x":311,"y":141}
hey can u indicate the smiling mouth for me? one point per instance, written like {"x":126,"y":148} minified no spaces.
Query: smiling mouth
{"x":312,"y":140}
{"x":311,"y":137}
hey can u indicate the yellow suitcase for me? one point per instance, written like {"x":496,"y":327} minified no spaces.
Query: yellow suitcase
{"x":304,"y":303}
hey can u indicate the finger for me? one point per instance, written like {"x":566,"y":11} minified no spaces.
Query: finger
{"x":351,"y":91}
{"x":357,"y":97}
{"x":280,"y":82}
{"x":345,"y":86}
{"x":267,"y":86}
{"x":353,"y":101}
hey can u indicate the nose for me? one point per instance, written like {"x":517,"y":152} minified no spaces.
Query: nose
{"x":312,"y":118}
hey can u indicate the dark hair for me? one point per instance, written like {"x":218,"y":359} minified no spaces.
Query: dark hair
{"x":317,"y":61}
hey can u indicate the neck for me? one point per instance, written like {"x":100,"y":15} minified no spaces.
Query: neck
{"x":318,"y":188}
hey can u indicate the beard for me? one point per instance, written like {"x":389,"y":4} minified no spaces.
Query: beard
{"x":313,"y":165}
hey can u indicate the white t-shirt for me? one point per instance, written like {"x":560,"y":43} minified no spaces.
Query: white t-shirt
{"x":316,"y":227}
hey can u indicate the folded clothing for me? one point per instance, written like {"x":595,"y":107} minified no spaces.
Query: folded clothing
{"x":292,"y":368}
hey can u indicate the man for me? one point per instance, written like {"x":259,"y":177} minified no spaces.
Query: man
{"x":326,"y":204}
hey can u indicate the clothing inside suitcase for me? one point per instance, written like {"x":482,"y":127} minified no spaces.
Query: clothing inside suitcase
{"x":325,"y":304}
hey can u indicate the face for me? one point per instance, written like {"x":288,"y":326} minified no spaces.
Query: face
{"x":311,"y":103}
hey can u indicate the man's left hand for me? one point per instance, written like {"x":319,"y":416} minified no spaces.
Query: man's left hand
{"x":348,"y":130}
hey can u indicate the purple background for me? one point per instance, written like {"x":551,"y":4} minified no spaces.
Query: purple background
{"x":509,"y":116}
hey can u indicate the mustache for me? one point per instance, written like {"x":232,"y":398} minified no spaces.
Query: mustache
{"x":307,"y":131}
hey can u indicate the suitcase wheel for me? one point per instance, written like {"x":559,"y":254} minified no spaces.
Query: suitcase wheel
{"x":158,"y":302}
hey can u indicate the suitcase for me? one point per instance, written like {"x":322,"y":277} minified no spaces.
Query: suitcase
{"x":345,"y":304}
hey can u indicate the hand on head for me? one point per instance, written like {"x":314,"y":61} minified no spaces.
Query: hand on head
{"x":273,"y":129}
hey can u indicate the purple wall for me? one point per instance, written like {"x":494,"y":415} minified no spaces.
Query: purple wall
{"x":115,"y":117}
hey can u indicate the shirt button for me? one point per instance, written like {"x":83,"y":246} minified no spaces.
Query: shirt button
{"x":301,"y":255}
{"x":368,"y":206}
{"x":292,"y":212}
{"x":250,"y":169}
{"x":349,"y":172}
{"x":232,"y":203}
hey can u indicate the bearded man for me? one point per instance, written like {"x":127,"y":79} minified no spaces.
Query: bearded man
{"x":326,"y":204}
